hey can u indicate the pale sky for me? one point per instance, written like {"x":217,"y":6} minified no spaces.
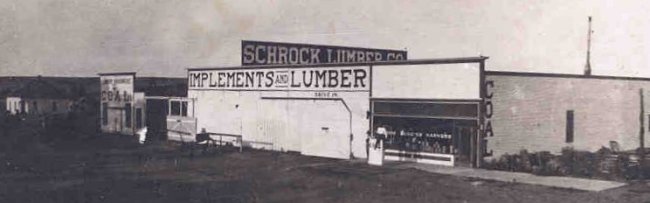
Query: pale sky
{"x":164,"y":37}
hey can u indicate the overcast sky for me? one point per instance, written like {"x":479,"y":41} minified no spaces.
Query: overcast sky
{"x":163,"y":37}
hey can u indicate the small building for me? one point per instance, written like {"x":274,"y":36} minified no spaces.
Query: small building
{"x":119,"y":104}
{"x":38,"y":97}
{"x":128,"y":103}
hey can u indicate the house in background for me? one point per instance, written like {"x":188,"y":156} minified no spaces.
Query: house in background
{"x":38,"y":96}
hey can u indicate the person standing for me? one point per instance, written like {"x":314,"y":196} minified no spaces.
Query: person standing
{"x":380,"y":136}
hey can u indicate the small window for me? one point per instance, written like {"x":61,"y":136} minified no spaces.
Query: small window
{"x":35,"y":106}
{"x":128,"y":113}
{"x":104,"y":113}
{"x":569,"y":126}
{"x":175,"y":108}
{"x":184,"y":109}
{"x":54,"y":106}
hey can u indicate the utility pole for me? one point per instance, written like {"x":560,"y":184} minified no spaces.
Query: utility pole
{"x":588,"y":64}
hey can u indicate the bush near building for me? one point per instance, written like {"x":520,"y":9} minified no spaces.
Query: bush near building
{"x":602,"y":164}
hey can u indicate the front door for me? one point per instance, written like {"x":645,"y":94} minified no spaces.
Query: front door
{"x":463,"y":143}
{"x":181,"y":123}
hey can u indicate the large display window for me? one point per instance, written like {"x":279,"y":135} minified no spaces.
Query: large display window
{"x":441,"y":136}
{"x":427,"y":127}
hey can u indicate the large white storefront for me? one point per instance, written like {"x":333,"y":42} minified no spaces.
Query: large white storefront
{"x":327,"y":110}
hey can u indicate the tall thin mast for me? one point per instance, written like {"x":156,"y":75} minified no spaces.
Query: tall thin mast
{"x":588,"y":64}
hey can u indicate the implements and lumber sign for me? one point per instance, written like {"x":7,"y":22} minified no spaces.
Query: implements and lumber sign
{"x":269,"y":53}
{"x":301,"y":79}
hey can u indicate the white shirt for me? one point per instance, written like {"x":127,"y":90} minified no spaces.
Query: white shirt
{"x":381,"y":130}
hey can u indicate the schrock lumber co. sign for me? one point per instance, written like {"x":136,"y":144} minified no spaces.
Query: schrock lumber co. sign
{"x":305,"y":79}
{"x":268,"y":53}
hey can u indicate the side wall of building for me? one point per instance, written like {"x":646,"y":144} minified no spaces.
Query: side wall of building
{"x":530,"y":112}
{"x":48,"y":106}
{"x":281,"y":120}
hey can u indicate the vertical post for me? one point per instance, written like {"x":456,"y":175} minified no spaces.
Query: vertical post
{"x":641,"y":124}
{"x":480,"y":128}
{"x":370,"y":114}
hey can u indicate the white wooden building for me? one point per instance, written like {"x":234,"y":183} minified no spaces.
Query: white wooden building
{"x":431,"y":108}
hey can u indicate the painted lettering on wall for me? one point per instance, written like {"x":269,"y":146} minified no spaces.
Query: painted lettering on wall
{"x":326,"y":95}
{"x":116,"y":95}
{"x":336,"y":78}
{"x":265,"y":53}
{"x":488,"y":111}
{"x":116,"y":89}
{"x":488,"y":108}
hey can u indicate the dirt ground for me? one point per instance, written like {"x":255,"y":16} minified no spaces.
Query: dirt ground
{"x":111,"y":168}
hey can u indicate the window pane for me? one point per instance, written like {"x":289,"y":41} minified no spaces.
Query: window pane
{"x":175,"y":108}
{"x":569,"y":126}
{"x":184,"y":108}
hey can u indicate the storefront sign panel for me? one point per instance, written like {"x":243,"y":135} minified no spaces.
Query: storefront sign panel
{"x":290,"y":79}
{"x":266,"y":53}
{"x":116,"y":90}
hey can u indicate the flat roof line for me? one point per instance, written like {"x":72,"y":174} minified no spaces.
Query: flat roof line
{"x":375,"y":63}
{"x":117,"y":73}
{"x":562,"y":75}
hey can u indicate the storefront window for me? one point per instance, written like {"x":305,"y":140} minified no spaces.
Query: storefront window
{"x":175,"y":108}
{"x":440,"y":136}
{"x":178,"y":108}
{"x":414,"y":134}
{"x":184,"y":108}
